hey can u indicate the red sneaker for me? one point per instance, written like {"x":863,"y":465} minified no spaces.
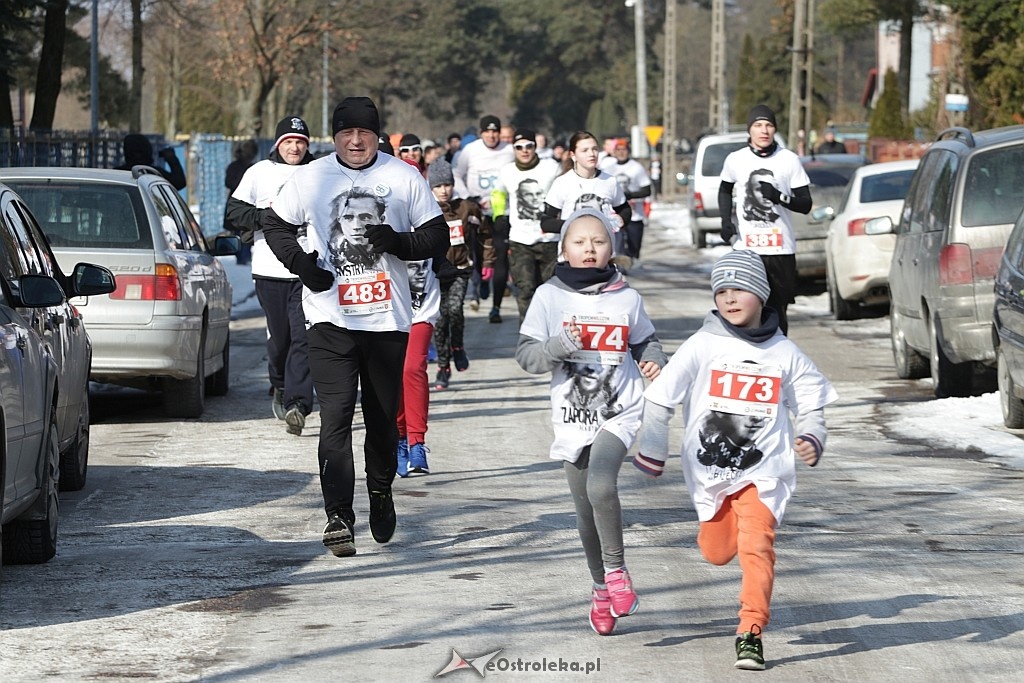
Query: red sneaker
{"x":620,"y":593}
{"x":601,"y":619}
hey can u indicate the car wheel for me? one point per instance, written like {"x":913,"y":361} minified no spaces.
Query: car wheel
{"x":949,"y":378}
{"x":34,"y":541}
{"x":1012,"y":407}
{"x":186,"y":398}
{"x":841,"y":308}
{"x":74,"y":462}
{"x":700,"y":238}
{"x":909,"y":363}
{"x":219,"y":382}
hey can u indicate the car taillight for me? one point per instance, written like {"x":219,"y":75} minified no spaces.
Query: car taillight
{"x":698,"y":201}
{"x":856,"y":227}
{"x":162,"y":286}
{"x":955,"y":267}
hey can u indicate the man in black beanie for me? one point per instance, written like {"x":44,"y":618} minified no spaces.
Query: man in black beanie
{"x":358,"y":312}
{"x":773,"y":183}
{"x":138,"y":151}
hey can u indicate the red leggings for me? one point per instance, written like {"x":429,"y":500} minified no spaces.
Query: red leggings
{"x":412,"y":408}
{"x":744,"y":526}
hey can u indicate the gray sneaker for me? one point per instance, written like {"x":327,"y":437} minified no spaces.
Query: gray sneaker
{"x":295,"y":418}
{"x":338,"y":536}
{"x":278,"y":404}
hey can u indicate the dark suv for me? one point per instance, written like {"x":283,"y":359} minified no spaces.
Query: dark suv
{"x":1008,"y":322}
{"x":962,"y":202}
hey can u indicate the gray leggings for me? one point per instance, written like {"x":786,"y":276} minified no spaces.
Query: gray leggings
{"x":595,"y":493}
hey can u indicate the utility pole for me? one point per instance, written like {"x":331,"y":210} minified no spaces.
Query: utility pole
{"x":668,"y":135}
{"x":94,"y":73}
{"x":641,"y":72}
{"x":324,"y":82}
{"x":717,"y":119}
{"x":801,"y":73}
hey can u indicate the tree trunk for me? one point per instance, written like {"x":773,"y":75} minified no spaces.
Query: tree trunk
{"x":135,"y":111}
{"x":6,"y":110}
{"x":906,"y":47}
{"x":51,"y":60}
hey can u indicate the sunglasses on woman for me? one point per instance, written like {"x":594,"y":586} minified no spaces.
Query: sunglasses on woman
{"x":523,"y":146}
{"x":413,"y":148}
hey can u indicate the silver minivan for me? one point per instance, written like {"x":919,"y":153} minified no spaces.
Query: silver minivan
{"x":961,"y":205}
{"x":166,"y":324}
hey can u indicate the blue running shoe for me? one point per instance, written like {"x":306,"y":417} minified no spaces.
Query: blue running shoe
{"x":403,"y":458}
{"x":418,"y":460}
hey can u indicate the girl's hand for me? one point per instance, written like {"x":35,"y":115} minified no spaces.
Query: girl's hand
{"x":649,"y":369}
{"x":575,"y":333}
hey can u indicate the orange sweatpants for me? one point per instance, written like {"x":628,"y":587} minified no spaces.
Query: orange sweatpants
{"x":744,"y":526}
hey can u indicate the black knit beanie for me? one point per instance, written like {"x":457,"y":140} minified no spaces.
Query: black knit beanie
{"x":356,"y":112}
{"x":761,"y":112}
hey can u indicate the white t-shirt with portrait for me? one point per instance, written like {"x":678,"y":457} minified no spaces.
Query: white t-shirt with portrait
{"x":259,"y":186}
{"x":570,"y":192}
{"x":738,"y":402}
{"x":601,"y":386}
{"x":526,"y":191}
{"x":763,"y":227}
{"x":632,"y":176}
{"x":370,"y":292}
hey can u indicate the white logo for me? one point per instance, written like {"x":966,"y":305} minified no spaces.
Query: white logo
{"x":459,"y":662}
{"x":297,"y":124}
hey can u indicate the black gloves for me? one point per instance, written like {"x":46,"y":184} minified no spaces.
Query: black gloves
{"x":728,"y":231}
{"x":448,"y":273}
{"x":313,"y":276}
{"x":383,"y":238}
{"x":772,"y":194}
{"x":167,"y":153}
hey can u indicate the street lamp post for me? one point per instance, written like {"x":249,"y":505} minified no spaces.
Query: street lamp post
{"x":94,"y":76}
{"x":641,"y":72}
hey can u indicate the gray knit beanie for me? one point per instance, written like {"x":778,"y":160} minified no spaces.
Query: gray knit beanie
{"x":740,"y":269}
{"x":440,"y":173}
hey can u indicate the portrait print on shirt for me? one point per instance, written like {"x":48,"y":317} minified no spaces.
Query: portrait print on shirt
{"x":592,"y":388}
{"x":757,"y":207}
{"x":418,"y":282}
{"x":729,"y":440}
{"x":530,"y":199}
{"x":351,"y":212}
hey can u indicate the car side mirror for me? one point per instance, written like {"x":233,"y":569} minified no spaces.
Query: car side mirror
{"x":39,"y":291}
{"x":227,"y":245}
{"x":879,"y":226}
{"x":823,"y":213}
{"x":88,"y":279}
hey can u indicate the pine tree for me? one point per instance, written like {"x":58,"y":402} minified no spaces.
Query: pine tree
{"x":886,"y":119}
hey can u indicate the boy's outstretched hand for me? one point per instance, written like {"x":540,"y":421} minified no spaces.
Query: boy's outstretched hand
{"x":806,"y":451}
{"x":649,"y":369}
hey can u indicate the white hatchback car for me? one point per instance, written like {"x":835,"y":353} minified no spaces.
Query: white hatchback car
{"x":166,"y":324}
{"x":857,"y":262}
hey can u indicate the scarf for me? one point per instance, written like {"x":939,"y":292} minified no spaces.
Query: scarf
{"x":582,"y":278}
{"x":756,"y":335}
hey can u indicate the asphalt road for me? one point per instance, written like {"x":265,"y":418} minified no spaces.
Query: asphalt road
{"x":194,"y":553}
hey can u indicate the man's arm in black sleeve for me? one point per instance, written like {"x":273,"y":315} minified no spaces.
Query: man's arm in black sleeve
{"x":725,"y":200}
{"x":801,"y":200}
{"x":430,"y":240}
{"x":550,"y":220}
{"x":244,"y":216}
{"x":175,"y":173}
{"x":644,"y":191}
{"x":625,"y":212}
{"x":282,"y":237}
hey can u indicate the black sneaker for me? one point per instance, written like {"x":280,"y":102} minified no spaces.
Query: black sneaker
{"x":382,"y":516}
{"x":444,"y":375}
{"x":278,"y":404}
{"x":494,"y":316}
{"x":295,"y":418}
{"x":749,"y":652}
{"x":338,"y":536}
{"x":461,"y":359}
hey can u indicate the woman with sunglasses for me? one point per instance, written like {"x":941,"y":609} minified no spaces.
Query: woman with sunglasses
{"x":410,"y":150}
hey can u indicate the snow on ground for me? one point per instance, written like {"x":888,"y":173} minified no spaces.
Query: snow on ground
{"x":977,"y":420}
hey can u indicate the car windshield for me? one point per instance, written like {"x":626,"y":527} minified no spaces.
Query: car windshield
{"x":86,"y":215}
{"x":994,"y":193}
{"x":885,"y":187}
{"x":714,"y":157}
{"x":824,"y":174}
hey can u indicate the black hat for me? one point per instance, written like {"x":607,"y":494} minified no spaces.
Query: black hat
{"x":409,"y":140}
{"x":137,"y":149}
{"x":356,"y":112}
{"x":490,"y":122}
{"x":524,"y":134}
{"x":761,"y":112}
{"x":291,"y":127}
{"x":384,"y":144}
